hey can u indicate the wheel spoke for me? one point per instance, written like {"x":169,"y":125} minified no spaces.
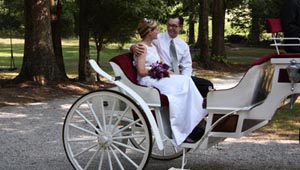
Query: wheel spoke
{"x":88,"y":121}
{"x":109,"y":160}
{"x":94,"y":115}
{"x":101,"y":160}
{"x":82,"y":129}
{"x":130,"y":137}
{"x":116,"y":157}
{"x":130,"y":120}
{"x":113,"y":110}
{"x":129,"y":147}
{"x":126,"y":127}
{"x":85,"y":150}
{"x":82,"y":139}
{"x":120,"y":118}
{"x":103,"y":114}
{"x":125,"y":156}
{"x":91,"y":159}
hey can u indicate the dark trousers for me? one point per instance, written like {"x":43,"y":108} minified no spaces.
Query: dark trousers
{"x":202,"y":85}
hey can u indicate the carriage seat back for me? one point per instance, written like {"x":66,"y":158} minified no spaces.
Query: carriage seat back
{"x":124,"y":68}
{"x":274,"y":26}
{"x":125,"y":62}
{"x":252,"y":88}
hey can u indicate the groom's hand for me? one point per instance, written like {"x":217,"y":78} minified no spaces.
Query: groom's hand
{"x":139,"y":49}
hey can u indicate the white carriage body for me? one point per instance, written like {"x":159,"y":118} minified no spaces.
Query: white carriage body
{"x":244,"y":108}
{"x":128,"y":123}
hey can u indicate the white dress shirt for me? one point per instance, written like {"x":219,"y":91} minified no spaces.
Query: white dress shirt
{"x":182,"y":50}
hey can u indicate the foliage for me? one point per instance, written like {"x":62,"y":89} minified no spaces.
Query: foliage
{"x":241,"y":13}
{"x":220,"y":59}
{"x":116,"y":20}
{"x":69,"y":19}
{"x":11,"y":17}
{"x":240,"y":18}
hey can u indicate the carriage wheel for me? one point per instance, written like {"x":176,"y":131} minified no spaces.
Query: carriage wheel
{"x":169,"y":152}
{"x":98,"y":127}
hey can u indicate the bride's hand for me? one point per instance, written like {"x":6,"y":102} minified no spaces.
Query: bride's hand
{"x":170,"y":72}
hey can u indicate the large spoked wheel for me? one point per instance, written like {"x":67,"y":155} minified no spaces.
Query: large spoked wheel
{"x":97,"y":130}
{"x":169,"y":151}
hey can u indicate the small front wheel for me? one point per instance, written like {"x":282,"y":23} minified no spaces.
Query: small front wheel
{"x":97,"y":130}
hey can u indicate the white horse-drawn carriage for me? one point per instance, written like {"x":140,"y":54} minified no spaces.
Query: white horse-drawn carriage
{"x":123,"y":126}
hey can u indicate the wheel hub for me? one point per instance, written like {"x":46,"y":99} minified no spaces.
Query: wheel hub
{"x":105,"y":140}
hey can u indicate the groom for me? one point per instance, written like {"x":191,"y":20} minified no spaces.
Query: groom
{"x":181,"y":56}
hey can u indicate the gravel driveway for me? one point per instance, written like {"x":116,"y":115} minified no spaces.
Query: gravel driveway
{"x":31,"y":138}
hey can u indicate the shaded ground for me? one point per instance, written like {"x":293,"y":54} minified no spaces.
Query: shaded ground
{"x":28,"y":92}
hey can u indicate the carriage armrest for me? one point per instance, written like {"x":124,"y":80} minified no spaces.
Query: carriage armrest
{"x":235,"y":108}
{"x":150,"y":94}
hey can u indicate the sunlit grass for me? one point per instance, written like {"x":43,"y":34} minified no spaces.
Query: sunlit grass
{"x":70,"y":53}
{"x":249,"y":51}
{"x":285,"y":123}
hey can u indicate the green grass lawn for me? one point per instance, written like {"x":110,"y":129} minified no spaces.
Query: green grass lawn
{"x":285,"y":123}
{"x":70,"y":53}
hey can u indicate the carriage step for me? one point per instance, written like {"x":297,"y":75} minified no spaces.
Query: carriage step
{"x":177,"y":169}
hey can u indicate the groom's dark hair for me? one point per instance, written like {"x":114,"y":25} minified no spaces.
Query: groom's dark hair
{"x":173,"y":16}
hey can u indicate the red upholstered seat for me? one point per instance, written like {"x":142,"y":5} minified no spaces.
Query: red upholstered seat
{"x":125,"y":62}
{"x":273,"y":25}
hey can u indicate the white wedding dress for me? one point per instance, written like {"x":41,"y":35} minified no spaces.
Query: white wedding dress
{"x":185,"y":101}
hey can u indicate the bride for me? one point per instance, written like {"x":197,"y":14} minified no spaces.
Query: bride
{"x":185,"y":101}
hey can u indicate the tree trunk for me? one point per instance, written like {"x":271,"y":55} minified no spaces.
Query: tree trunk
{"x":254,"y":29}
{"x":203,"y":32}
{"x":56,"y":11}
{"x":191,"y":29}
{"x":84,"y":71}
{"x":38,"y":62}
{"x":218,"y":19}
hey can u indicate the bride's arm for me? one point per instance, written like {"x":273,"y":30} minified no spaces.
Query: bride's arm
{"x":140,"y":65}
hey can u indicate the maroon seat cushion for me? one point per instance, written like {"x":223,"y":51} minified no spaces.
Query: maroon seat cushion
{"x":273,"y":25}
{"x":274,"y":55}
{"x":125,"y":62}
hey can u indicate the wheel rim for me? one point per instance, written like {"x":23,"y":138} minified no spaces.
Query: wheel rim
{"x":97,"y":130}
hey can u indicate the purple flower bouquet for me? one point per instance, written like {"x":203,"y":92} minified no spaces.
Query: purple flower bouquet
{"x":159,"y":70}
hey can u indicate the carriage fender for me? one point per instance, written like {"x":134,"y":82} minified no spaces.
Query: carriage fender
{"x":137,"y":98}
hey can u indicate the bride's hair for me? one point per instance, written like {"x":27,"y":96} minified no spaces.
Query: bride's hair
{"x":145,"y":26}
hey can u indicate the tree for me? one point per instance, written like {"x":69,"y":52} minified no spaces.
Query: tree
{"x":254,"y":36}
{"x":56,"y":12}
{"x":218,"y":21}
{"x":120,"y":25}
{"x":84,"y":70}
{"x":203,"y":32}
{"x":191,"y":10}
{"x":39,"y":62}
